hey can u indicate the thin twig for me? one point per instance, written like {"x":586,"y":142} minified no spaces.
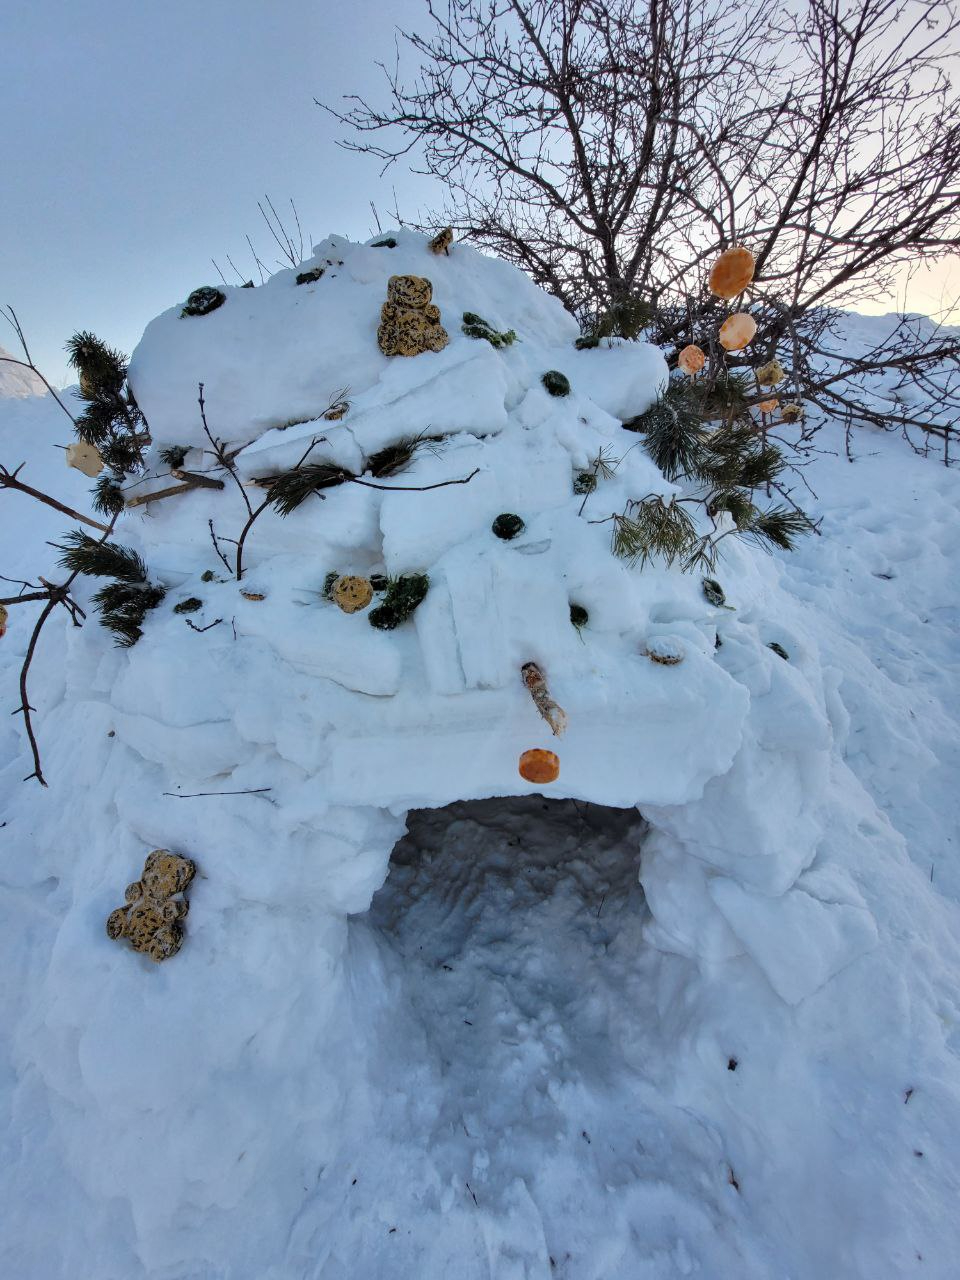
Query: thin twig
{"x":25,"y":707}
{"x":219,"y":452}
{"x":216,"y":547}
{"x":8,"y":480}
{"x":23,"y":599}
{"x":180,"y":795}
{"x":56,"y":594}
{"x":11,"y":317}
{"x":413,"y":488}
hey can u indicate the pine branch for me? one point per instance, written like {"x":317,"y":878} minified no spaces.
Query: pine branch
{"x":289,"y":490}
{"x":388,"y":461}
{"x":654,"y":527}
{"x":736,"y":503}
{"x":84,"y":554}
{"x":174,"y":455}
{"x":102,"y":369}
{"x":778,"y":527}
{"x":673,"y":431}
{"x":728,"y":396}
{"x":108,"y":497}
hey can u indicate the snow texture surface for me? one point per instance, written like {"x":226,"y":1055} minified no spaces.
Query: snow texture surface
{"x":690,"y":1012}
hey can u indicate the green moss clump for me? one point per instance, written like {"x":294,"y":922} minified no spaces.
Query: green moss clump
{"x":203,"y":300}
{"x":403,"y":596}
{"x":557,"y":383}
{"x":779,"y":650}
{"x":188,"y":606}
{"x":328,"y":582}
{"x":586,"y":342}
{"x":379,"y":581}
{"x":584,"y":482}
{"x":507,"y":526}
{"x":207,"y":576}
{"x":389,"y":243}
{"x":475,"y":326}
{"x":579,"y":616}
{"x":310,"y":277}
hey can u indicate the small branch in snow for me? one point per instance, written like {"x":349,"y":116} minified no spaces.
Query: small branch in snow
{"x":180,"y":795}
{"x":159,"y":494}
{"x":414,"y":488}
{"x":216,"y":547}
{"x":54,"y":593}
{"x":196,"y":479}
{"x":200,"y":630}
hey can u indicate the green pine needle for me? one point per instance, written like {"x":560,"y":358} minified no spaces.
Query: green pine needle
{"x":605,"y":464}
{"x":96,"y":422}
{"x":728,"y":397}
{"x":174,"y":455}
{"x":124,"y":602}
{"x":762,"y":467}
{"x":736,"y":503}
{"x":388,"y":461}
{"x":289,"y":490}
{"x":120,"y":454}
{"x":102,"y":559}
{"x":654,"y":528}
{"x":778,"y":527}
{"x":108,"y":497}
{"x":672,"y":428}
{"x":102,"y":368}
{"x":403,"y":596}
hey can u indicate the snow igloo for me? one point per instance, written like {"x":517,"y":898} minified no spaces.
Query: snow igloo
{"x":319,"y":732}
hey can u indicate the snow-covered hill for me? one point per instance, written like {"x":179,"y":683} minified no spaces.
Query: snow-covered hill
{"x":17,"y":381}
{"x":688,"y":1010}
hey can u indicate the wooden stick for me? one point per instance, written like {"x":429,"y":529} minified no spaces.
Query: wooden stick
{"x":142,"y":498}
{"x":199,"y":481}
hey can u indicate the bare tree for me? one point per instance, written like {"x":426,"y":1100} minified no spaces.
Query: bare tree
{"x":612,"y":148}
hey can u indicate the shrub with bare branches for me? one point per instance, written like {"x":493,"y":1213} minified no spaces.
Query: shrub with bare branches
{"x":610,"y":149}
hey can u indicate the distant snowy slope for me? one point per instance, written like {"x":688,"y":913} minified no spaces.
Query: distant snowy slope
{"x":17,"y":381}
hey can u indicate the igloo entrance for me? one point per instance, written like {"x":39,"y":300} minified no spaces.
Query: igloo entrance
{"x":508,"y":908}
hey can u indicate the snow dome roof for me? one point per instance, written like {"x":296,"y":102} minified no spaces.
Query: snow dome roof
{"x":435,"y":710}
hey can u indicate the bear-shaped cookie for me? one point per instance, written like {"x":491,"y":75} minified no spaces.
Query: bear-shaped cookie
{"x":442,"y":241}
{"x":409,"y":322}
{"x":150,"y":921}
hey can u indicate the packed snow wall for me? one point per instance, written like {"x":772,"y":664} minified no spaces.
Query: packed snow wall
{"x":321,"y":731}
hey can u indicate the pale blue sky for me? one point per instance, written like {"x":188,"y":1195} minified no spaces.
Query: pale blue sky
{"x":139,"y":135}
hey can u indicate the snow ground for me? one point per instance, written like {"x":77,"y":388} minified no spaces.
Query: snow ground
{"x":716,"y":1037}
